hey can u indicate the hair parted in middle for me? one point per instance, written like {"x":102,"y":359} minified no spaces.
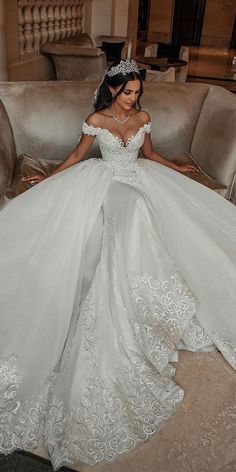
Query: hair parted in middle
{"x":104,"y":96}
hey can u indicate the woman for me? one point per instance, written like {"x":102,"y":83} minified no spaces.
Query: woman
{"x":108,"y":269}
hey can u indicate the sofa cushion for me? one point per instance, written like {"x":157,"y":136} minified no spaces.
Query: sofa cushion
{"x":126,"y":50}
{"x":27,"y":165}
{"x":7,"y":150}
{"x":201,"y":176}
{"x":168,"y":50}
{"x":112,"y":50}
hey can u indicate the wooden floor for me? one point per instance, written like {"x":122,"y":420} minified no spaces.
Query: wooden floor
{"x":208,"y":65}
{"x":212,"y":65}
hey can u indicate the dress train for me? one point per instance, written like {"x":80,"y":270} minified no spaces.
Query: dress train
{"x":108,"y":269}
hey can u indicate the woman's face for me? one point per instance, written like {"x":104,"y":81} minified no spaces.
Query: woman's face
{"x":129,"y":96}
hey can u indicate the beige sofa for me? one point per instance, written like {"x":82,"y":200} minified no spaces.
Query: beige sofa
{"x":41,"y":124}
{"x":75,"y":58}
{"x":81,"y":57}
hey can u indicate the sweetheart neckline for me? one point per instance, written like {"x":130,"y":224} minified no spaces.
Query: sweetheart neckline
{"x":120,"y":140}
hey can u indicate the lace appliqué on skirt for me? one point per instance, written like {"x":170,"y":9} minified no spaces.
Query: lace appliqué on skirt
{"x":111,"y":417}
{"x":22,"y":423}
{"x":114,"y":414}
{"x":228,"y":351}
{"x":166,"y":305}
{"x":169,"y":322}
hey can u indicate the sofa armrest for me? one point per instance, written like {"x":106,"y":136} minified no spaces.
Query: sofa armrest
{"x":129,"y":49}
{"x":181,"y":75}
{"x":7,"y":150}
{"x":184,"y":53}
{"x":232,"y":191}
{"x":158,"y":76}
{"x":151,"y":50}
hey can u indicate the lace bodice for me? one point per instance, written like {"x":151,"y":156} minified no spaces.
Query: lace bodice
{"x":121,"y":156}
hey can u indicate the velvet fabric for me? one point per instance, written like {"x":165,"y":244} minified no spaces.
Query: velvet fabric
{"x":60,"y":49}
{"x":75,"y":58}
{"x":46,"y":119}
{"x":215,"y":137}
{"x":7,"y":150}
{"x":81,"y":56}
{"x":158,"y":76}
{"x":174,"y":109}
{"x":82,"y":40}
{"x":126,"y":51}
{"x":200,"y":176}
{"x":112,"y":50}
{"x":26,"y":165}
{"x":168,"y":50}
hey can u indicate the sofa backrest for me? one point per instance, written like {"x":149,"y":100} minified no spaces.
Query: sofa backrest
{"x":214,"y":141}
{"x":46,"y":119}
{"x":82,"y":39}
{"x":174,"y":110}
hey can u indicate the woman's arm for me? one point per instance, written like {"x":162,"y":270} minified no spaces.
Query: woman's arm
{"x":76,"y":156}
{"x":149,"y":153}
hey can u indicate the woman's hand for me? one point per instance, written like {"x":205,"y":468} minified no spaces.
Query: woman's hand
{"x":34,"y":179}
{"x":187,"y":168}
{"x":149,"y":153}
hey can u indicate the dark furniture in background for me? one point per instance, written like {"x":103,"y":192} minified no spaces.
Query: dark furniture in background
{"x":187,"y":22}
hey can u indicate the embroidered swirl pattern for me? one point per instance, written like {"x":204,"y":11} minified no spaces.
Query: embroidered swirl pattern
{"x":118,"y":408}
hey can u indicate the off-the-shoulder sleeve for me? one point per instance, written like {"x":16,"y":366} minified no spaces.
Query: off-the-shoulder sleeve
{"x":90,"y":129}
{"x":147,"y":127}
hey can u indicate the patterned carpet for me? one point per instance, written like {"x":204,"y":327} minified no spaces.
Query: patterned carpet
{"x":200,"y":437}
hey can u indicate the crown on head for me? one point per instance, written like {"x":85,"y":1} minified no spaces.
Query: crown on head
{"x":124,"y":67}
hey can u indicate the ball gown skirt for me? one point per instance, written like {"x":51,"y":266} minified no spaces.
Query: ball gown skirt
{"x":107,"y":270}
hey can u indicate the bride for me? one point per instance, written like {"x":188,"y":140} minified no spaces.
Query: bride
{"x":108,"y":269}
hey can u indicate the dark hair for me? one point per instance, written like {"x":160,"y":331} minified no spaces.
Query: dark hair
{"x":104,"y":97}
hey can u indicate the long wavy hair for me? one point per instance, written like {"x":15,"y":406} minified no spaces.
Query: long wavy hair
{"x":104,"y":97}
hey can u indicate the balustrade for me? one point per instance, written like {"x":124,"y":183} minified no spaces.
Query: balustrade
{"x":42,"y":21}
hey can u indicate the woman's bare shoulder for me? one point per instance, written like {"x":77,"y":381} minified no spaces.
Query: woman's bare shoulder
{"x":143,"y":116}
{"x":96,"y":118}
{"x":93,"y":119}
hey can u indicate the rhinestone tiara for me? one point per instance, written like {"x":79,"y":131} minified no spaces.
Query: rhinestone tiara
{"x":124,"y":67}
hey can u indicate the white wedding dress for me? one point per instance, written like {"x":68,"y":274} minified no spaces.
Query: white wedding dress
{"x":107,"y":270}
